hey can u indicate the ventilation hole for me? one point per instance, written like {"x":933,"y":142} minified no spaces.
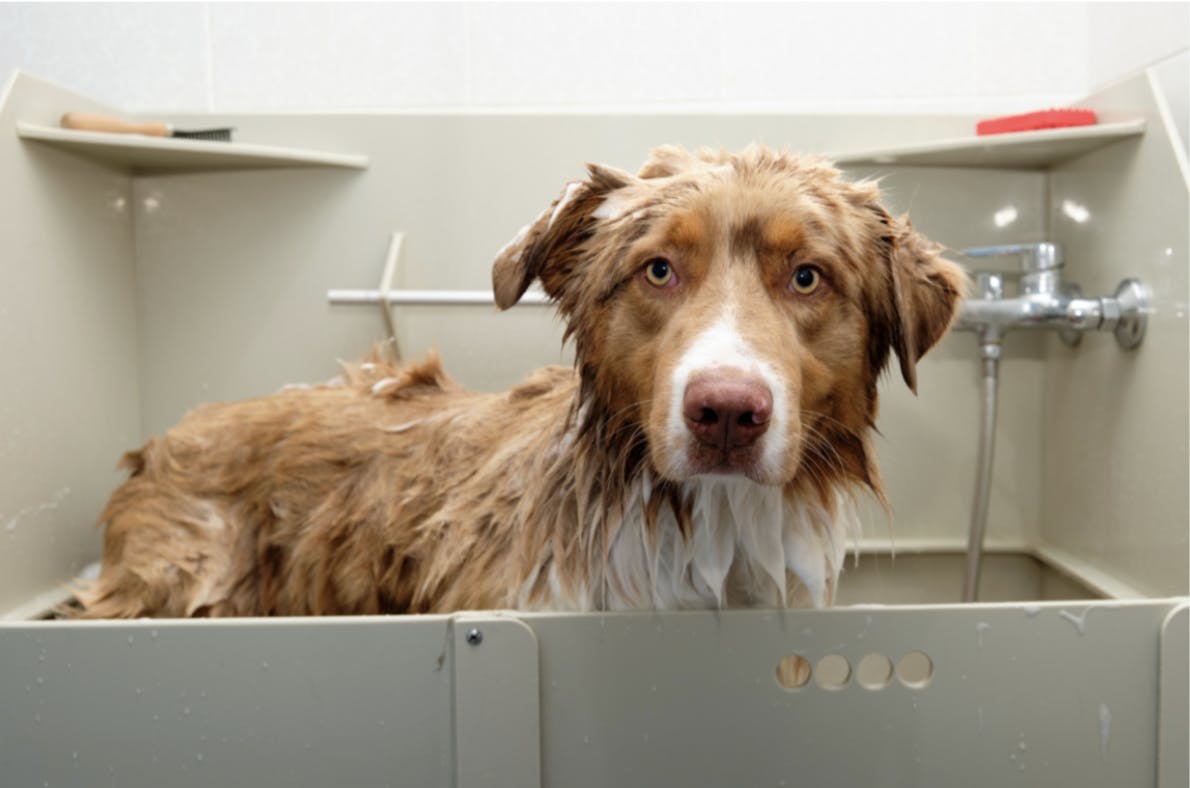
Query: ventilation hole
{"x":874,"y":672}
{"x":793,"y":671}
{"x":833,"y":672}
{"x":915,"y":670}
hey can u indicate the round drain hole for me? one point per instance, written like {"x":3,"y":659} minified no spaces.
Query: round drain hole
{"x":915,"y":670}
{"x":833,"y":672}
{"x":793,"y":671}
{"x":874,"y":672}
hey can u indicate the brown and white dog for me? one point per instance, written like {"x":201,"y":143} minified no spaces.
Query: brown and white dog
{"x":731,"y":315}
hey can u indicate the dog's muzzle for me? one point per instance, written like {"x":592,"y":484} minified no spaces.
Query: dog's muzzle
{"x":726,"y":411}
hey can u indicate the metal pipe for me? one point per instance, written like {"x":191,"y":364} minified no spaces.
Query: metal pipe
{"x":386,"y":284}
{"x":1081,"y":314}
{"x":1036,"y":258}
{"x":990,"y":351}
{"x":1044,"y":302}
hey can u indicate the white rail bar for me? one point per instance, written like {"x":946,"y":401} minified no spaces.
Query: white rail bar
{"x":429,"y":297}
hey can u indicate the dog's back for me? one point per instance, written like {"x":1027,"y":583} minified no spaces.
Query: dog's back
{"x":294,"y":504}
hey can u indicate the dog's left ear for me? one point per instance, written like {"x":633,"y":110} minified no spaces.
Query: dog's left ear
{"x":550,"y":248}
{"x":926,"y":291}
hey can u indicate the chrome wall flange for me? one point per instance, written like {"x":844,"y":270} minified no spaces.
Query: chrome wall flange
{"x":1133,"y":298}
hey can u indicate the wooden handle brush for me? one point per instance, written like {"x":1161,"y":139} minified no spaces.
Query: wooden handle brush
{"x":87,"y":121}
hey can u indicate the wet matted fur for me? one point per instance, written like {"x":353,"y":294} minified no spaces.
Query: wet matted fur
{"x":731,"y":315}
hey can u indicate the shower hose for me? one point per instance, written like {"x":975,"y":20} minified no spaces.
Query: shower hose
{"x":989,"y":352}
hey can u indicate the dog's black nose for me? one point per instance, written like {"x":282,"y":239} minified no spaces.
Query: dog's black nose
{"x":727,"y":408}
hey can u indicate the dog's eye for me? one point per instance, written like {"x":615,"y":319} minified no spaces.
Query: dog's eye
{"x":659,"y":272}
{"x":805,"y":279}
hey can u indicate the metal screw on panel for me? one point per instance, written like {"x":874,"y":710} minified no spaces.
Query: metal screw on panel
{"x":474,"y":637}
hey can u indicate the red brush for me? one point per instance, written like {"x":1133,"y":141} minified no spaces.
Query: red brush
{"x":1033,"y":121}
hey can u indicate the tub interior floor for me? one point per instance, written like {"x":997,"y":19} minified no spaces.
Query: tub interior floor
{"x":937,"y":578}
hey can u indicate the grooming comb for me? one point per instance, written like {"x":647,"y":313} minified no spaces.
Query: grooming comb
{"x":86,"y":121}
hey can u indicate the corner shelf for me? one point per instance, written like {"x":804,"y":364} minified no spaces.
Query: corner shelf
{"x":142,"y":155}
{"x":1025,"y":150}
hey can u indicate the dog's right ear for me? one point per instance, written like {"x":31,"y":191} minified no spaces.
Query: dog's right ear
{"x":926,"y":291}
{"x":550,"y":248}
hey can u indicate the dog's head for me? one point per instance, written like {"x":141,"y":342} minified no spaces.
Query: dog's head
{"x":738,"y":309}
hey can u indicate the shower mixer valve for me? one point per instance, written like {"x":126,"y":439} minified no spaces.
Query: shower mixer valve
{"x":1045,"y":301}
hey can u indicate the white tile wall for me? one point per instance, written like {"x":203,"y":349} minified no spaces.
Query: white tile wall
{"x":129,"y":55}
{"x":1123,"y":37}
{"x":597,"y":53}
{"x":808,"y":56}
{"x":268,"y":56}
{"x":853,"y":54}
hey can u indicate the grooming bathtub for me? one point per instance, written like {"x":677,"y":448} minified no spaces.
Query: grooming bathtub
{"x":142,"y":277}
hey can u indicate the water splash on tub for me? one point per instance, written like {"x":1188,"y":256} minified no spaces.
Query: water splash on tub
{"x":980,"y":628}
{"x":1104,"y":730}
{"x":1079,"y":621}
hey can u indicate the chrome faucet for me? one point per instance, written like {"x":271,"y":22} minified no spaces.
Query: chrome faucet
{"x":1045,"y":301}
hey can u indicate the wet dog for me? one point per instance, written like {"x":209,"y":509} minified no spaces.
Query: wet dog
{"x":731,"y":314}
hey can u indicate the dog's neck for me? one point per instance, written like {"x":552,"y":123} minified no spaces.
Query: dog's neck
{"x":742,"y":544}
{"x":641,"y":542}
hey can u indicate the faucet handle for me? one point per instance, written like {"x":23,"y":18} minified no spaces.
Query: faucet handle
{"x":1035,"y":257}
{"x":989,"y":285}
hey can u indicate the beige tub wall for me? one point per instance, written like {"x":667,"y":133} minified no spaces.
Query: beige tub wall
{"x":233,"y":270}
{"x":212,"y":286}
{"x":1115,"y":468}
{"x":68,"y":388}
{"x":929,"y":442}
{"x":931,"y":578}
{"x":222,"y":252}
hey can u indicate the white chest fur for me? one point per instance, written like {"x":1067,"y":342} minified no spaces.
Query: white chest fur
{"x":744,"y":539}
